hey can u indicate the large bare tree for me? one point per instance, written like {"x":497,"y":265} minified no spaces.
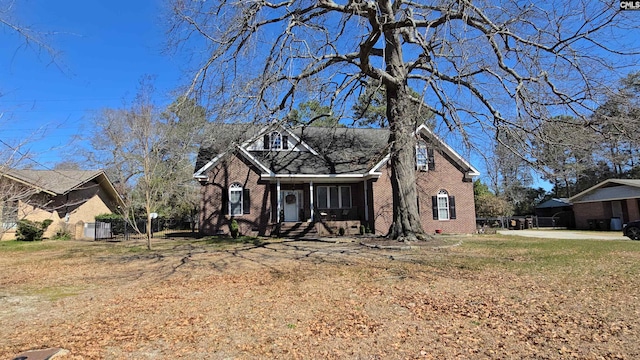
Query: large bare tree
{"x":492,"y":67}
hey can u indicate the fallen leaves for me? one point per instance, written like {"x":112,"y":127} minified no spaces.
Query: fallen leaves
{"x":273,"y":302}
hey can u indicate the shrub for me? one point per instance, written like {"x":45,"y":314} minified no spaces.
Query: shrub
{"x":107,"y":217}
{"x":32,"y":230}
{"x":63,"y":233}
{"x":362,"y":230}
{"x":341,"y":231}
{"x":234,"y":229}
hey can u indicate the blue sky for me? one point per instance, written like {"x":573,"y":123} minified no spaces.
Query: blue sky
{"x":104,"y":48}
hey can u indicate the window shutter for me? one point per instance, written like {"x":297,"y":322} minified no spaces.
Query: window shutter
{"x":246,"y":202}
{"x":452,"y":207}
{"x":434,"y":206}
{"x":285,"y":142}
{"x":225,"y":201}
{"x":431,"y":161}
{"x":267,"y":142}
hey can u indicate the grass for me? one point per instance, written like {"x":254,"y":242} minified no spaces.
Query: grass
{"x":524,"y":255}
{"x":26,"y":246}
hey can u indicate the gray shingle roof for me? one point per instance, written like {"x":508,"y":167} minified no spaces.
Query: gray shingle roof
{"x":54,"y":181}
{"x":340,"y":151}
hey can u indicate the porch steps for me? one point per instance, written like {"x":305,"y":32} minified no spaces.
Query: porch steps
{"x":298,"y":230}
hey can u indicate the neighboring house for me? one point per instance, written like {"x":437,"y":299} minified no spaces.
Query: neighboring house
{"x":275,"y":179}
{"x":556,"y":212}
{"x":607,"y":205}
{"x":64,"y":196}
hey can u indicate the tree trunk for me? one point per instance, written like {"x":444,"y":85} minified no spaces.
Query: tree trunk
{"x":406,"y":224}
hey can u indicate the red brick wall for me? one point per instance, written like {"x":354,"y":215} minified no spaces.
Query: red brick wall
{"x":214,"y":219}
{"x":586,"y":211}
{"x":445,"y":177}
{"x":602,"y":211}
{"x":632,"y":210}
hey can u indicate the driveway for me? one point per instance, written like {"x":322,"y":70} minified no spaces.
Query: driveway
{"x":567,"y":234}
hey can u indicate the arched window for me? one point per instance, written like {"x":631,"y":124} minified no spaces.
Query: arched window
{"x":275,"y":141}
{"x":235,"y":199}
{"x":443,"y":205}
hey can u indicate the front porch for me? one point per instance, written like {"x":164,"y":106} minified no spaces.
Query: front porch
{"x":333,"y":205}
{"x":317,"y":229}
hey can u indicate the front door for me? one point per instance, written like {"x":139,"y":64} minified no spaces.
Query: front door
{"x":291,"y":203}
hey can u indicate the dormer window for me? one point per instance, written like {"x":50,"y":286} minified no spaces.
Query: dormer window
{"x":276,"y":141}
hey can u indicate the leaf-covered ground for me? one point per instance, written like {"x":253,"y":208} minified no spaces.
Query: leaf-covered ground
{"x":483,"y":297}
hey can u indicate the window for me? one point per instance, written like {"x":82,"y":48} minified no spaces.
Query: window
{"x":421,"y":155}
{"x":444,"y":206}
{"x":235,"y":200}
{"x":334,"y":197}
{"x":276,"y":141}
{"x":9,"y":215}
{"x":425,"y":159}
{"x":239,"y":200}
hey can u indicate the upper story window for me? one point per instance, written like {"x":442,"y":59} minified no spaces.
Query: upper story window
{"x":425,"y":159}
{"x":276,"y":141}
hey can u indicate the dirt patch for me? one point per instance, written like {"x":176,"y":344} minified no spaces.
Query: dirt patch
{"x":315,"y":299}
{"x":436,"y":242}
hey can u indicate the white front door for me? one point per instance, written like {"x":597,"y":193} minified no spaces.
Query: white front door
{"x":291,"y":203}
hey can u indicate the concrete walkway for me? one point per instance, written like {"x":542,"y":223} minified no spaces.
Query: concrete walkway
{"x":567,"y":234}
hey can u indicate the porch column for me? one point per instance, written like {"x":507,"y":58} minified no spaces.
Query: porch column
{"x":311,"y":199}
{"x":278,"y":201}
{"x":366,"y":201}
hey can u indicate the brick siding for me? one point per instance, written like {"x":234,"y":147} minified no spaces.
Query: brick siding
{"x":445,"y":176}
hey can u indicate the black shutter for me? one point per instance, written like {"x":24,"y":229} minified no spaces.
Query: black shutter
{"x":246,"y":202}
{"x":434,"y":206}
{"x":431,"y":161}
{"x":285,"y":142}
{"x":452,"y":207}
{"x":266,"y":141}
{"x":225,"y":202}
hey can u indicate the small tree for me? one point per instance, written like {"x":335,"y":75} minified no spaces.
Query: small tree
{"x":234,"y":229}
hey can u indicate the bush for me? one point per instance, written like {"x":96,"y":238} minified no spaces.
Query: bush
{"x":362,"y":230}
{"x":63,"y":233}
{"x":234,"y":229}
{"x":32,"y":230}
{"x":108,"y":217}
{"x":341,"y":231}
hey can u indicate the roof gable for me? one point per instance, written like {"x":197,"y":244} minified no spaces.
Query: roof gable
{"x":325,"y":151}
{"x":608,"y":190}
{"x":60,"y":182}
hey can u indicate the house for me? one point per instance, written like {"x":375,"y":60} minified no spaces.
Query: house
{"x":276,"y":179}
{"x":67,"y":197}
{"x":607,"y":205}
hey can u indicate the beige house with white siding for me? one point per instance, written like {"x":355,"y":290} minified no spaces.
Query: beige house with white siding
{"x":67,"y":197}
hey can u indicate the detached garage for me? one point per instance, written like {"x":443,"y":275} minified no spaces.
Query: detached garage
{"x":608,"y":205}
